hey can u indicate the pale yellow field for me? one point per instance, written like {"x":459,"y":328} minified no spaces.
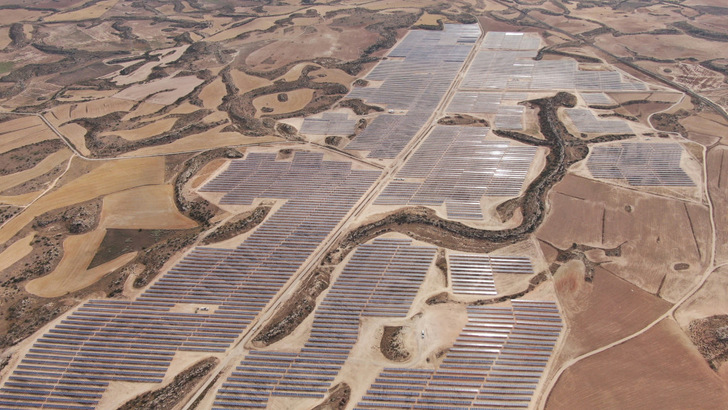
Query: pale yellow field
{"x":246,"y":82}
{"x":212,"y":138}
{"x":430,"y":19}
{"x":149,"y":130}
{"x":48,"y":163}
{"x":294,"y":72}
{"x":167,"y":56}
{"x":145,"y":207}
{"x":112,"y":176}
{"x":212,"y":94}
{"x":15,"y":252}
{"x":145,"y":108}
{"x":91,"y":109}
{"x":75,"y":133}
{"x":23,"y":131}
{"x":71,"y":274}
{"x":19,"y":200}
{"x":297,"y":99}
{"x":91,"y":12}
{"x":166,"y":91}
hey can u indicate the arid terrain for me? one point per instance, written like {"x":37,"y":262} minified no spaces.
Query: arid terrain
{"x":314,"y":204}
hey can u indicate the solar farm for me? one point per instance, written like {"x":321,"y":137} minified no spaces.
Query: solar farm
{"x":424,"y":231}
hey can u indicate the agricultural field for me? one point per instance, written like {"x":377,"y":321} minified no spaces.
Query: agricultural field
{"x":363,"y":204}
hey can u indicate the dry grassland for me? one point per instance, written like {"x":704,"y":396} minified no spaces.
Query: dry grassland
{"x":167,"y":56}
{"x":17,"y":251}
{"x":112,"y":176}
{"x":145,"y":207}
{"x":207,"y":170}
{"x":717,"y":167}
{"x":84,"y":95}
{"x":711,"y":299}
{"x":261,"y":23}
{"x":47,"y":164}
{"x":23,"y":131}
{"x":145,"y":108}
{"x":297,"y":99}
{"x":93,"y":11}
{"x":659,"y":369}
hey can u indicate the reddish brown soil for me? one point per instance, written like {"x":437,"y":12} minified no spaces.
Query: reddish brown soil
{"x":659,"y":369}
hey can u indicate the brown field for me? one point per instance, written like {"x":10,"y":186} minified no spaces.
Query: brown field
{"x":662,"y":46}
{"x":85,"y":95}
{"x":711,"y":299}
{"x":297,"y":99}
{"x":655,"y":234}
{"x":166,"y":91}
{"x":19,"y":200}
{"x":22,"y":131}
{"x":332,"y":75}
{"x":304,"y":44}
{"x":71,"y":274}
{"x":257,"y":24}
{"x":166,"y":56}
{"x":658,"y":369}
{"x":601,"y":311}
{"x":94,"y":11}
{"x":717,"y":167}
{"x":145,"y":207}
{"x":47,"y":164}
{"x":112,"y":176}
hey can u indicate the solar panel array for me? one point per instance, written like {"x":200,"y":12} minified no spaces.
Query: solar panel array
{"x":507,"y":116}
{"x":506,"y":62}
{"x":596,"y":99}
{"x":71,"y":365}
{"x":472,"y":275}
{"x":329,"y":124}
{"x":496,"y":362}
{"x":640,"y":163}
{"x":415,"y":77}
{"x":455,"y":166}
{"x":381,"y":279}
{"x":587,"y":122}
{"x":511,"y":41}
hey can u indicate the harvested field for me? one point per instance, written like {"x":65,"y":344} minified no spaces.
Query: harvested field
{"x":112,"y":176}
{"x":17,"y":251}
{"x":71,"y":274}
{"x":21,"y":131}
{"x":270,"y":104}
{"x":717,"y":167}
{"x":164,"y":91}
{"x":669,"y":232}
{"x":206,"y":171}
{"x":145,"y":207}
{"x":213,"y":93}
{"x":246,"y":82}
{"x":642,"y":373}
{"x":19,"y":200}
{"x":146,"y":131}
{"x":602,"y":310}
{"x":91,"y":109}
{"x":84,"y":95}
{"x":75,"y":133}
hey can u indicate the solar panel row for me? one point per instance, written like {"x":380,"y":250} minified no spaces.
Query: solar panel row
{"x":585,"y":121}
{"x":381,"y":279}
{"x":455,"y":166}
{"x":640,"y":163}
{"x":496,"y":362}
{"x":135,"y":341}
{"x":472,"y":275}
{"x":415,"y":77}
